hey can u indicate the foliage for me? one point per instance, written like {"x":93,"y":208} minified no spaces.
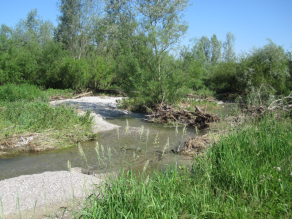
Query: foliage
{"x":247,"y":174}
{"x":289,"y":79}
{"x":73,"y":73}
{"x":101,"y":72}
{"x":228,"y":47}
{"x":144,"y":64}
{"x":74,"y":29}
{"x":223,"y":77}
{"x":215,"y":49}
{"x":132,"y":45}
{"x":267,"y":65}
{"x":195,"y":69}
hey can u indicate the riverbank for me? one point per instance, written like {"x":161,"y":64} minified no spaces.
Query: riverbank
{"x":58,"y":124}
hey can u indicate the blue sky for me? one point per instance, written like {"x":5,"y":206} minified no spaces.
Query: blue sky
{"x":251,"y":21}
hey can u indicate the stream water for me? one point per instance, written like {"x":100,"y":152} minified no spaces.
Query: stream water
{"x":119,"y":148}
{"x":141,"y":143}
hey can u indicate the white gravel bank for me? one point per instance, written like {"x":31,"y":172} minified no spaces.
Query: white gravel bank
{"x":47,"y":189}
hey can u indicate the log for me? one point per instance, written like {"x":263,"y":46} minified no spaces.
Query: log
{"x":198,"y":109}
{"x":81,"y":95}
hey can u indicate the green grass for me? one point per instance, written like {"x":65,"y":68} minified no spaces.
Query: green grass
{"x":36,"y":116}
{"x":27,"y":92}
{"x":26,"y":106}
{"x":247,"y":174}
{"x":25,"y":109}
{"x":68,"y":93}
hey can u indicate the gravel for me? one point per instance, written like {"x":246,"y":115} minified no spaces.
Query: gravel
{"x":29,"y":192}
{"x":101,"y":108}
{"x":45,"y":189}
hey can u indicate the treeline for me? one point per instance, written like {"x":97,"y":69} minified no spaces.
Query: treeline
{"x":133,"y":45}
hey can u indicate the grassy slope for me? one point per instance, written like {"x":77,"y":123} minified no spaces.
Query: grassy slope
{"x":25,"y":109}
{"x":247,"y":174}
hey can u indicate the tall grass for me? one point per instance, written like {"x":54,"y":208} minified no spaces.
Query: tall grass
{"x":25,"y":108}
{"x":38,"y":116}
{"x":27,"y":92}
{"x":247,"y":174}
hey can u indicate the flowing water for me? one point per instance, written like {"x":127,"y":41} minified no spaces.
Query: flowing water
{"x":133,"y":147}
{"x":143,"y":141}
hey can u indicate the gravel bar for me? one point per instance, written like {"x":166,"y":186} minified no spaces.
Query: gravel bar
{"x":44,"y":190}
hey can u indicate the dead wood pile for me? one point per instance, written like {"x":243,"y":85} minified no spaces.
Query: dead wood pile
{"x":280,"y":105}
{"x":193,"y":146}
{"x":168,"y":114}
{"x":251,"y":113}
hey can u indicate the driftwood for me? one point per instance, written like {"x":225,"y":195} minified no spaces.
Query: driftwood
{"x":168,"y":114}
{"x":250,"y":113}
{"x":192,"y":146}
{"x":203,"y":120}
{"x":82,"y":95}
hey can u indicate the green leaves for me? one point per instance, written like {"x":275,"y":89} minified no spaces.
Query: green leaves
{"x":267,"y":65}
{"x":144,"y":63}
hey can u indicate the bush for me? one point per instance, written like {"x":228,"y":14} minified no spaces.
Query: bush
{"x":73,"y":73}
{"x":223,"y":77}
{"x":267,"y":65}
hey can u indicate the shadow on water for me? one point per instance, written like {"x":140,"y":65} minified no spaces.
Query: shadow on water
{"x":128,"y":147}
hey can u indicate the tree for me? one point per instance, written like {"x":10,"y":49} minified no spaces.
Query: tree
{"x":228,"y":47}
{"x":205,"y":46}
{"x":145,"y":52}
{"x":75,"y":22}
{"x":21,"y":49}
{"x":215,"y":49}
{"x":266,"y":65}
{"x":194,"y":68}
{"x":34,"y":29}
{"x":289,"y":81}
